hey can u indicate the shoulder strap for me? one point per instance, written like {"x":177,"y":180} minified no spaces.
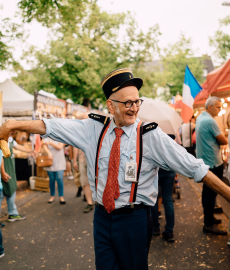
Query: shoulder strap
{"x":100,"y":118}
{"x":149,"y":127}
{"x":99,"y":144}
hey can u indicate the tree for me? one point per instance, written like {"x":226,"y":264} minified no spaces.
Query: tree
{"x":174,"y":60}
{"x":85,"y":45}
{"x":221,"y":40}
{"x":9,"y":32}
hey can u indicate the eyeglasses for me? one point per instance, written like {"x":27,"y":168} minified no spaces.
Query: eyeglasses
{"x":129,"y":103}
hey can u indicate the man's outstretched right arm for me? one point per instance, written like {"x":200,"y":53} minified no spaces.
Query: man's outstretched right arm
{"x":34,"y":126}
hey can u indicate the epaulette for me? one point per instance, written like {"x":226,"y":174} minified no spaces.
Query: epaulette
{"x":100,"y":118}
{"x":149,"y":127}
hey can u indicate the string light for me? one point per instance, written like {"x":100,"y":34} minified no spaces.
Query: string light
{"x":225,"y":105}
{"x":222,"y":100}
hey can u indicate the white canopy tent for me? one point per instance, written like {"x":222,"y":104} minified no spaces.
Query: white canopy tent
{"x":15,"y":99}
{"x":47,"y":94}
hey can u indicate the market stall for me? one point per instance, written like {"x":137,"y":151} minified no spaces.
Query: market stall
{"x":17,"y":103}
{"x":76,"y":111}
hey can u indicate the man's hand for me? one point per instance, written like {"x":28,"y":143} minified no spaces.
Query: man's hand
{"x":75,"y":165}
{"x":5,"y":130}
{"x":5,"y":177}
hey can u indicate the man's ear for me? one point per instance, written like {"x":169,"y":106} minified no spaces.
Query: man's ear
{"x":110,"y":106}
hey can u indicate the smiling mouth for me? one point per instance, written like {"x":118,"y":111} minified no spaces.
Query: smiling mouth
{"x":131,"y":114}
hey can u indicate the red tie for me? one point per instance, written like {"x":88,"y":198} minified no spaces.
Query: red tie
{"x":112,"y":191}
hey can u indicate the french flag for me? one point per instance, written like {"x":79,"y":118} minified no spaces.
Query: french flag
{"x":190,"y":89}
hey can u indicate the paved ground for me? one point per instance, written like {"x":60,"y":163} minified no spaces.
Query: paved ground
{"x":60,"y":237}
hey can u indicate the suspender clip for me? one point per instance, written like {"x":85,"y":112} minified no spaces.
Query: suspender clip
{"x":132,"y":205}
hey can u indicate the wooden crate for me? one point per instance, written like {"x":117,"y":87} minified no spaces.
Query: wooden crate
{"x":41,"y":172}
{"x":42,"y":184}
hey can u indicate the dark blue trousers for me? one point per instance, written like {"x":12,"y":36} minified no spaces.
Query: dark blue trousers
{"x":166,"y":181}
{"x":121,"y":241}
{"x":209,"y":198}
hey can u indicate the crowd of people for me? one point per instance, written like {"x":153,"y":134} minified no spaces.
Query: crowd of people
{"x":101,"y":152}
{"x":66,"y":159}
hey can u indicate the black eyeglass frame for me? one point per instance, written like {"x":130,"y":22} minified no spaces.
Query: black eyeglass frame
{"x":130,"y":101}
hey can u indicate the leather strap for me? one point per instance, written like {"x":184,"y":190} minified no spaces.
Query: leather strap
{"x":99,"y":144}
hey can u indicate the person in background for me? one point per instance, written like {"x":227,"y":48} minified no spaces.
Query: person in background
{"x":55,"y":150}
{"x":69,"y":173}
{"x":9,"y":180}
{"x":208,"y":140}
{"x":186,"y":131}
{"x":166,"y":182}
{"x":83,"y":177}
{"x":1,"y":197}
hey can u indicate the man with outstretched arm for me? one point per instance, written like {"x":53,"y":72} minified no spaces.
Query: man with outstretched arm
{"x":122,"y":224}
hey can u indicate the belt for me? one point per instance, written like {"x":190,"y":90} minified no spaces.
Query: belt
{"x":124,"y":210}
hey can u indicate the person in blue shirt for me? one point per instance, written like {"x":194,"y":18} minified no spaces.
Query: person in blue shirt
{"x":1,"y":195}
{"x":208,"y":140}
{"x":122,"y":236}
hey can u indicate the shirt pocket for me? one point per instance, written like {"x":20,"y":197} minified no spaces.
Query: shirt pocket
{"x":103,"y":161}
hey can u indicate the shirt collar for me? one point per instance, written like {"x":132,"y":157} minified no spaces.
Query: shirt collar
{"x":207,"y":114}
{"x":127,"y":130}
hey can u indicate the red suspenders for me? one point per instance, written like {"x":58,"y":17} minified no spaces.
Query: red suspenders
{"x":139,"y":154}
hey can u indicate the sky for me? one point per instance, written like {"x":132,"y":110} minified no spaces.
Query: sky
{"x":197,"y":19}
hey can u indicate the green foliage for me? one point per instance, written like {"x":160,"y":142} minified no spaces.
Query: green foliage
{"x":85,"y":45}
{"x":221,"y":40}
{"x":9,"y":32}
{"x":174,"y":60}
{"x":51,"y":12}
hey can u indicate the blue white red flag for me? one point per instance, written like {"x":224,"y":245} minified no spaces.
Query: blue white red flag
{"x":190,"y":89}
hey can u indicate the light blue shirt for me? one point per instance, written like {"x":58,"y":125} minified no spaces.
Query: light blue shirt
{"x":207,"y":146}
{"x":159,"y":150}
{"x":1,"y":187}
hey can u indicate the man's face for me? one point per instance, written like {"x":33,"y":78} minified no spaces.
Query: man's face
{"x":124,"y":116}
{"x":215,"y":109}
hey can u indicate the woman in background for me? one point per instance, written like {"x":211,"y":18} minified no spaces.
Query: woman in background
{"x":55,"y":150}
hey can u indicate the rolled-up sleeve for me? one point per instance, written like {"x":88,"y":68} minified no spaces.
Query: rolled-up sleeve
{"x":68,"y":131}
{"x":171,"y":156}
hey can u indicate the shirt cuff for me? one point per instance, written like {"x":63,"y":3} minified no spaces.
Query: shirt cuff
{"x":201,"y":172}
{"x":47,"y":124}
